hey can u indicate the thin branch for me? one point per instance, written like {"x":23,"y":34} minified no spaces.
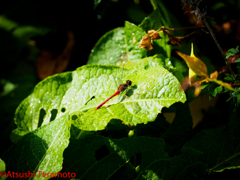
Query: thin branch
{"x":219,"y":47}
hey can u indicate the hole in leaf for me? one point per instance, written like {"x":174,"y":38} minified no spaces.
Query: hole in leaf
{"x":53,"y":114}
{"x":90,"y":99}
{"x":74,"y":117}
{"x":136,"y":159}
{"x":101,"y":152}
{"x":63,"y":109}
{"x":41,"y":117}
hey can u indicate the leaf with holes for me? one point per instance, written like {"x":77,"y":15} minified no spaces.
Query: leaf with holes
{"x":40,"y":150}
{"x":71,"y":92}
{"x":100,"y":157}
{"x":118,"y":44}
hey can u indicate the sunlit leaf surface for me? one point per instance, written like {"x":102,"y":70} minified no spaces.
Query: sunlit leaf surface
{"x":152,"y":89}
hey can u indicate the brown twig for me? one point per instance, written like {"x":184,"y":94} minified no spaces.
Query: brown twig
{"x":219,"y":47}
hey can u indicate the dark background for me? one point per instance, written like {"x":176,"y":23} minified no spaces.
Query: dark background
{"x":18,"y":58}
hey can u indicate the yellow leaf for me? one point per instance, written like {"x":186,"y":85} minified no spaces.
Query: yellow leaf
{"x":197,"y":90}
{"x":195,"y":64}
{"x":226,"y":85}
{"x":214,"y":75}
{"x":192,"y":74}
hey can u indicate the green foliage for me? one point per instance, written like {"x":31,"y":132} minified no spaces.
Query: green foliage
{"x":60,"y":130}
{"x":40,"y":150}
{"x":91,"y":163}
{"x":2,"y":168}
{"x":116,"y":43}
{"x":214,"y":90}
{"x":150,"y":92}
{"x":160,"y":46}
{"x":220,"y":146}
{"x":231,"y":52}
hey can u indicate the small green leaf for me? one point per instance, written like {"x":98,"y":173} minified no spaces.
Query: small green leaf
{"x":228,"y":78}
{"x":236,"y":98}
{"x":40,"y":150}
{"x":203,"y":86}
{"x":237,"y":60}
{"x":118,"y":44}
{"x":231,"y":52}
{"x":214,"y":90}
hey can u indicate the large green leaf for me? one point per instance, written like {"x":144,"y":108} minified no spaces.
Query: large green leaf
{"x":220,"y":146}
{"x":147,"y":62}
{"x":40,"y":150}
{"x":186,"y":166}
{"x":100,"y":157}
{"x":152,"y":89}
{"x":180,"y":130}
{"x":117,"y":43}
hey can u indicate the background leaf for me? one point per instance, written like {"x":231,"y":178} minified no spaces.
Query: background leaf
{"x":231,"y":52}
{"x":220,"y":146}
{"x":40,"y":150}
{"x":186,"y":165}
{"x":180,"y":130}
{"x":154,"y":21}
{"x":116,"y":43}
{"x":100,"y":157}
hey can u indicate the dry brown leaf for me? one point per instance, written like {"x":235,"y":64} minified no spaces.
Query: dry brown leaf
{"x":48,"y":65}
{"x":174,"y":40}
{"x":154,"y":35}
{"x":146,"y":42}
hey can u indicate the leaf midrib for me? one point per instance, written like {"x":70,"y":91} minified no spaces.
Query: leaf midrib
{"x":163,"y":99}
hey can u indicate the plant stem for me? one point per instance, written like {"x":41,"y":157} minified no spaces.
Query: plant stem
{"x":219,"y":47}
{"x":174,"y":29}
{"x":181,"y":28}
{"x":154,"y":4}
{"x":236,"y":84}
